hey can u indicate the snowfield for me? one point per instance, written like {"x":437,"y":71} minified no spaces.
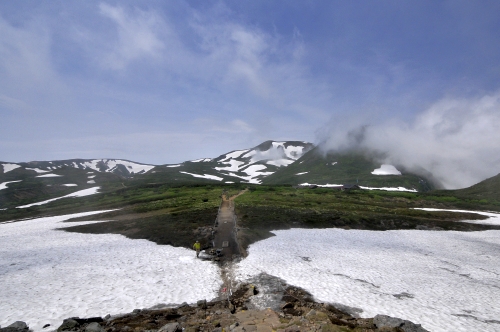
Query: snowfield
{"x":446,"y":281}
{"x":494,"y":218}
{"x":9,"y":167}
{"x":47,"y":275}
{"x":50,"y":175}
{"x":390,"y":189}
{"x":80,"y":193}
{"x":204,"y":176}
{"x":3,"y":185}
{"x":386,"y":170}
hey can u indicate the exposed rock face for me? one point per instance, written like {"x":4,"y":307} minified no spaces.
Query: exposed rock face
{"x":297,"y":312}
{"x":16,"y":327}
{"x":382,"y":321}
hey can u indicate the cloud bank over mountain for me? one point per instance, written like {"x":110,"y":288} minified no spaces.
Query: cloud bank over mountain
{"x":457,"y":139}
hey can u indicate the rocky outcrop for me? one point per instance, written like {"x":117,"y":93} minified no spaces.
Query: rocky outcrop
{"x":298,"y":312}
{"x":16,"y":327}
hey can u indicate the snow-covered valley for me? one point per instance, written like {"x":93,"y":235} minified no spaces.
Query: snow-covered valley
{"x":440,"y":279}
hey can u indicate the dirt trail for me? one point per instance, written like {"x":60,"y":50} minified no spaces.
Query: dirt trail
{"x":226,"y":239}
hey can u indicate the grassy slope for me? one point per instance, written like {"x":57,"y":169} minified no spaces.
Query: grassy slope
{"x":342,"y":168}
{"x":159,"y":213}
{"x":487,"y":191}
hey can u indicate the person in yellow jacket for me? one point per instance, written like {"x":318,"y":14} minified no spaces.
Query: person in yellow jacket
{"x":197,"y":247}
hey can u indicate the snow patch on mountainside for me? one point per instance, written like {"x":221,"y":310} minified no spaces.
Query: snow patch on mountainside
{"x":253,"y":162}
{"x":80,"y":193}
{"x":9,"y":167}
{"x":3,"y":185}
{"x":232,"y":155}
{"x":390,"y":189}
{"x":204,"y":176}
{"x":305,"y":184}
{"x":234,"y":166}
{"x":50,"y":175}
{"x":386,"y":170}
{"x":277,"y":154}
{"x":39,"y":171}
{"x":202,"y":160}
{"x":110,"y":165}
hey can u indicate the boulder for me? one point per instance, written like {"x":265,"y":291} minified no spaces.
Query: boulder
{"x":170,"y":327}
{"x":94,"y":327}
{"x":16,"y":327}
{"x":202,"y":304}
{"x":387,"y":321}
{"x":68,"y":325}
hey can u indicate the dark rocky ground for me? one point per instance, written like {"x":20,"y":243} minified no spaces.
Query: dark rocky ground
{"x":268,"y":305}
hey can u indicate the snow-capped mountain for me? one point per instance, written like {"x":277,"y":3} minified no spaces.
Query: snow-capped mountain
{"x":117,"y":166}
{"x":249,"y":165}
{"x":272,"y":162}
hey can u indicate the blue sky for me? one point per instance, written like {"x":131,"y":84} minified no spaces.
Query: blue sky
{"x":167,"y":81}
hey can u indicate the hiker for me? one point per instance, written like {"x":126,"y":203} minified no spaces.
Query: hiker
{"x":197,"y":247}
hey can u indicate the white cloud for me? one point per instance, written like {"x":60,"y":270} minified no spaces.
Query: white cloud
{"x":27,"y":75}
{"x":137,"y":36}
{"x":455,"y":138}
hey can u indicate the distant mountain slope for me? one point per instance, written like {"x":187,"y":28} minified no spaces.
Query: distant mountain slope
{"x":248,"y":165}
{"x":272,"y":162}
{"x":314,"y":167}
{"x":26,"y":183}
{"x":488,"y":189}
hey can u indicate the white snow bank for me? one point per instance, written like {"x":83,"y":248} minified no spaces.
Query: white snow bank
{"x":3,"y":185}
{"x":69,"y":185}
{"x":494,"y":218}
{"x":234,"y":154}
{"x":9,"y":167}
{"x":80,"y":193}
{"x":176,"y":165}
{"x":234,"y":166}
{"x":446,"y":281}
{"x":321,"y":185}
{"x":39,"y":171}
{"x":277,"y":154}
{"x":253,"y":171}
{"x":87,"y":275}
{"x":386,"y":170}
{"x":202,"y":160}
{"x":390,"y":189}
{"x":302,"y":173}
{"x":204,"y":176}
{"x":91,"y":182}
{"x":112,"y":164}
{"x":50,"y":175}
